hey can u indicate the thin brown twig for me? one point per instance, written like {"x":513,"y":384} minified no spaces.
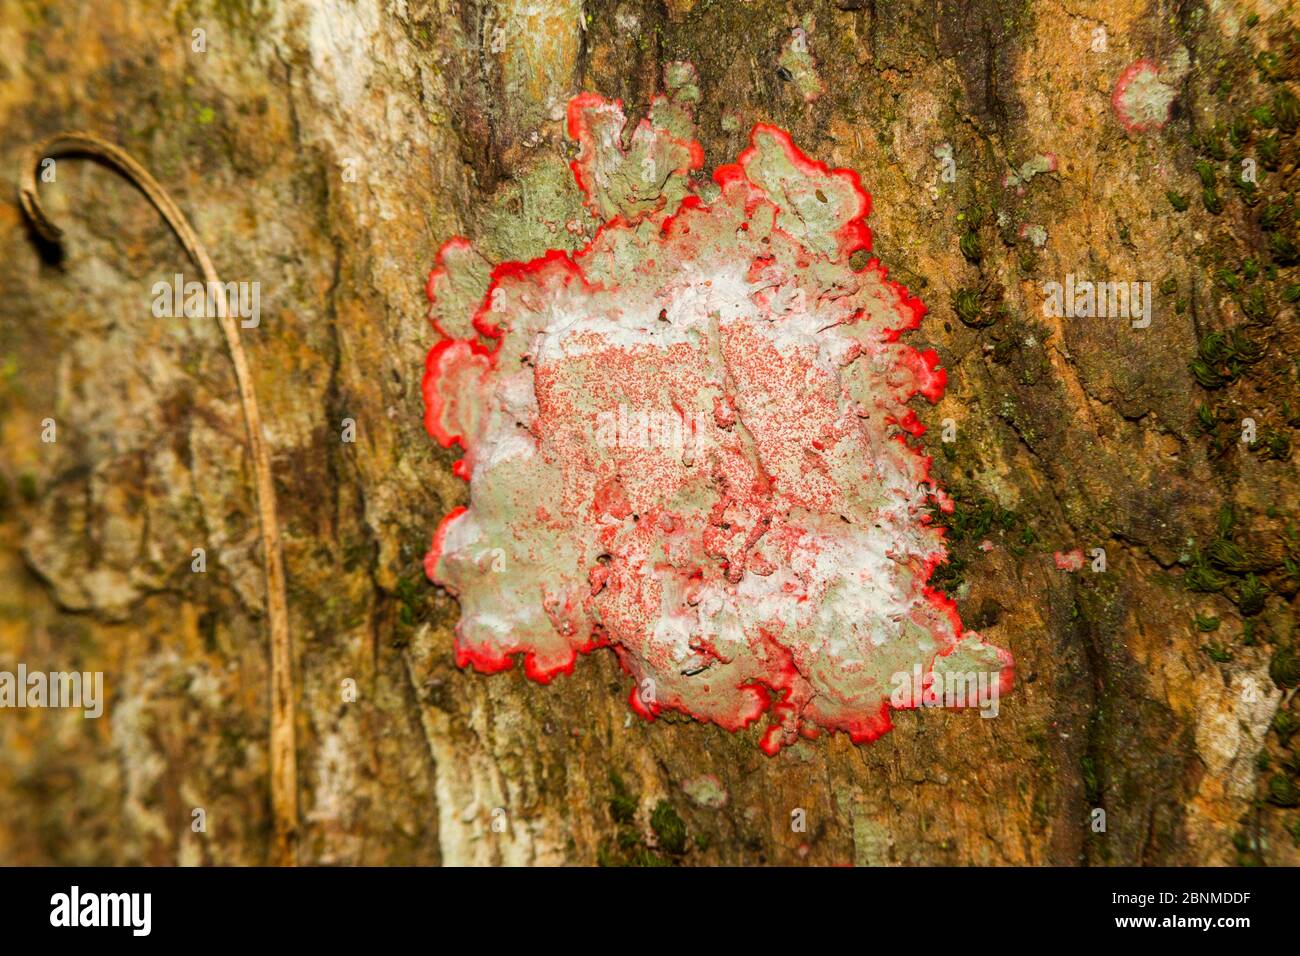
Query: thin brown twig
{"x":284,"y":771}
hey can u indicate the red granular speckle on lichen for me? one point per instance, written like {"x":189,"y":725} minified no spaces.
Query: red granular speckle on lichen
{"x":689,"y":441}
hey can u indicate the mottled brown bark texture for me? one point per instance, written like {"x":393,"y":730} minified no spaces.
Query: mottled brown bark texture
{"x":325,"y":149}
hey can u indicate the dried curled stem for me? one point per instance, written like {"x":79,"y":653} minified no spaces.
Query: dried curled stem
{"x":284,"y":773}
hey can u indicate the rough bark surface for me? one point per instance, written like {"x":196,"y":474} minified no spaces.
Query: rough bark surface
{"x":325,"y":149}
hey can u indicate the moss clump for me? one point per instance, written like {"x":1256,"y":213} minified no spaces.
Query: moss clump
{"x":979,"y":310}
{"x":1282,"y":791}
{"x":1247,"y":852}
{"x":627,"y":846}
{"x":668,"y":827}
{"x":1091,"y":782}
{"x":1272,"y":216}
{"x":1285,"y":725}
{"x":965,"y":303}
{"x":1269,"y":66}
{"x":412,"y":607}
{"x":1284,"y":668}
{"x":1217,"y":652}
{"x":1286,"y":108}
{"x":616,"y":854}
{"x":1254,"y":305}
{"x":976,"y":515}
{"x":1251,"y":595}
{"x":1230,"y":556}
{"x":1205,"y":172}
{"x":1222,"y":357}
{"x":1283,"y":249}
{"x":1239,"y":131}
{"x":969,"y":243}
{"x":1201,"y":577}
{"x":622,"y":805}
{"x":1206,"y":419}
{"x":1228,"y":279}
{"x":1273,"y":445}
{"x":973,"y":517}
{"x":1213,"y":569}
{"x":1270,"y":151}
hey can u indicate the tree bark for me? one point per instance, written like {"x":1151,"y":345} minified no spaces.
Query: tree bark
{"x":326,"y":149}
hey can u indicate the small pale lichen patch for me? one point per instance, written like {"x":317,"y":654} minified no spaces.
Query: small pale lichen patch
{"x":796,"y":64}
{"x":1036,"y":234}
{"x":1019,"y":178}
{"x":1145,"y":92}
{"x":706,"y":791}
